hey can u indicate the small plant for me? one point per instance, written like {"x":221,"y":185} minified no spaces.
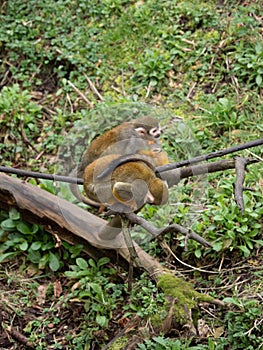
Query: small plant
{"x":244,"y":325}
{"x":18,"y":237}
{"x":153,"y":67}
{"x":162,"y":343}
{"x":145,"y":299}
{"x":19,"y":120}
{"x":93,"y":288}
{"x":226,"y":227}
{"x":249,"y":65}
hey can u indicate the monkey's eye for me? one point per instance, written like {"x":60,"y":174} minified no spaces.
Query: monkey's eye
{"x":155,"y":132}
{"x":157,"y":150}
{"x":141,"y":131}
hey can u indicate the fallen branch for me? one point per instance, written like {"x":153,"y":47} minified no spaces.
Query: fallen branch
{"x":71,"y":223}
{"x":22,"y":339}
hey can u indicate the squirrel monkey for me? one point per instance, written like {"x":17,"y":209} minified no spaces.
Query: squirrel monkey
{"x":140,"y":136}
{"x":129,"y":186}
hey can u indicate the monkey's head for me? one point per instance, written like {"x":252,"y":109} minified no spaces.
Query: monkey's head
{"x":147,"y":128}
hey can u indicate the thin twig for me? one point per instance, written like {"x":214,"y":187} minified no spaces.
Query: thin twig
{"x":166,"y":246}
{"x":191,"y":90}
{"x":24,"y":137}
{"x":255,"y":155}
{"x":240,"y":165}
{"x":148,"y":90}
{"x":19,"y":337}
{"x":256,"y":325}
{"x":81,"y":94}
{"x":122,"y":84}
{"x":93,"y":88}
{"x":125,"y":223}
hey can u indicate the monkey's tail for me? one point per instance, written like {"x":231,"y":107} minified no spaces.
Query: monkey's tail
{"x":76,"y":192}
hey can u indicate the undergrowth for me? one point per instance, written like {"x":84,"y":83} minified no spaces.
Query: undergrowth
{"x":201,"y":64}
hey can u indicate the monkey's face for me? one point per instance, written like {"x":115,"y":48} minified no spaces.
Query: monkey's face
{"x":146,"y":133}
{"x":147,"y":128}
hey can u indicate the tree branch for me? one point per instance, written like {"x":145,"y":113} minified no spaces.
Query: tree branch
{"x":211,"y":155}
{"x":172,"y":176}
{"x":155,"y":232}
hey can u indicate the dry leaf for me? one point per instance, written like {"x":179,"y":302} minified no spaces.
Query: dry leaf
{"x":203,"y":329}
{"x":219,"y":332}
{"x":57,"y":289}
{"x":41,"y":298}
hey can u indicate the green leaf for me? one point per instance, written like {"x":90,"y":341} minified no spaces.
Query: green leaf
{"x":23,"y":246}
{"x":14,"y":214}
{"x":82,"y":263}
{"x":72,"y":274}
{"x":34,"y":256}
{"x":3,"y":234}
{"x":217,"y":246}
{"x":8,"y":225}
{"x":36,"y":245}
{"x":232,"y":301}
{"x":96,"y":288}
{"x":102,"y":321}
{"x":54,"y":262}
{"x":92,"y":263}
{"x":198,"y":253}
{"x":75,"y":250}
{"x":34,"y":229}
{"x":245,"y":250}
{"x":259,"y":80}
{"x":7,"y":256}
{"x":43,"y":261}
{"x":24,"y":228}
{"x":103,"y":261}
